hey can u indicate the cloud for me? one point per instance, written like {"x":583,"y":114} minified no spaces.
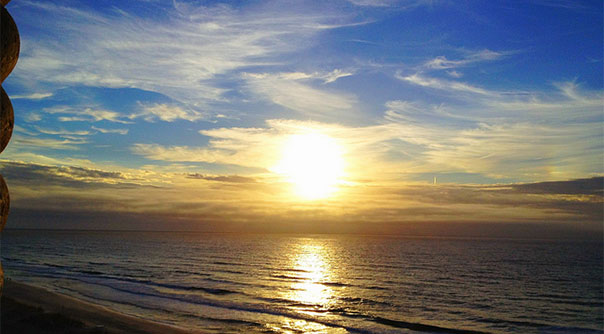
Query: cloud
{"x":33,"y":117}
{"x":531,"y":151}
{"x":118,"y":131}
{"x":286,"y":90}
{"x":590,"y":187}
{"x":225,"y":202}
{"x":20,"y":141}
{"x":33,"y":96}
{"x":222,"y":178}
{"x":262,"y":148}
{"x":166,"y":113}
{"x":455,"y":74}
{"x":180,"y":52}
{"x":442,"y":84}
{"x":565,"y":4}
{"x":529,"y":136}
{"x":181,"y":153}
{"x":335,"y":75}
{"x":405,"y":4}
{"x":63,"y":132}
{"x":373,"y":3}
{"x":502,"y":137}
{"x":442,"y":63}
{"x":85,"y":114}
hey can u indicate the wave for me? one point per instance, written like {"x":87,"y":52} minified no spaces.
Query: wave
{"x":289,"y":277}
{"x":343,"y":317}
{"x":223,"y":263}
{"x":326,"y":283}
{"x":179,"y":271}
{"x":91,"y":272}
{"x":422,"y":327}
{"x":363,"y":301}
{"x":89,"y":275}
{"x":270,"y":309}
{"x":228,"y":271}
{"x":336,"y":284}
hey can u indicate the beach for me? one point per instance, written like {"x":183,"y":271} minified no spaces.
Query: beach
{"x":30,"y":309}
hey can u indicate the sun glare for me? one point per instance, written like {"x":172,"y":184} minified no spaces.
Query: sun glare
{"x":313,"y":163}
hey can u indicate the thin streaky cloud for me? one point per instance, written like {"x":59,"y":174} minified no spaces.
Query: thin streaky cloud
{"x":117,"y":131}
{"x":566,"y":4}
{"x":63,"y":132}
{"x":33,"y":96}
{"x":186,"y":51}
{"x":445,"y":85}
{"x":442,"y":63}
{"x":166,"y":113}
{"x":85,"y":114}
{"x":289,"y":92}
{"x":27,"y":142}
{"x":399,"y":4}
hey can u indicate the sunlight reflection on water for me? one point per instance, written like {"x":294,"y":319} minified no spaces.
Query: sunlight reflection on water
{"x":313,"y":268}
{"x":310,"y":261}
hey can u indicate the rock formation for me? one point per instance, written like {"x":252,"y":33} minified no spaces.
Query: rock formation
{"x":4,"y":203}
{"x":9,"y":53}
{"x":7,"y":119}
{"x":9,"y":44}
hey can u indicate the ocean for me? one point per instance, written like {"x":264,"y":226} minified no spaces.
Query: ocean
{"x":254,"y":283}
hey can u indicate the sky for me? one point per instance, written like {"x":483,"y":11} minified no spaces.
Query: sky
{"x":428,"y":117}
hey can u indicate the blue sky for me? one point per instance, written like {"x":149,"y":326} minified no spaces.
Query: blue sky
{"x":477,"y":93}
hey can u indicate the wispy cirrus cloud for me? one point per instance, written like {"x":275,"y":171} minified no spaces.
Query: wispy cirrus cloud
{"x":335,"y":75}
{"x":442,"y":63}
{"x":529,"y":136}
{"x":63,"y":132}
{"x":443,"y":84}
{"x":165,"y":112}
{"x":290,"y":91}
{"x":20,"y":141}
{"x":178,"y":53}
{"x":517,"y":137}
{"x":183,"y":154}
{"x":565,"y":4}
{"x":455,"y":74}
{"x":87,"y":114}
{"x":33,"y":96}
{"x":117,"y":131}
{"x":406,"y":4}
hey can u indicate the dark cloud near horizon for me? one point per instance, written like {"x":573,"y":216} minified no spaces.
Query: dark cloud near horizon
{"x":71,"y":193}
{"x":21,"y":173}
{"x":590,"y":186}
{"x":222,"y":178}
{"x":581,"y":198}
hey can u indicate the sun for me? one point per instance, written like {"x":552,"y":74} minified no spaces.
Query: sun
{"x":312,"y":163}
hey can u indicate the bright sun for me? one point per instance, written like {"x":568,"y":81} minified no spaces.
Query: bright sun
{"x":313,"y":163}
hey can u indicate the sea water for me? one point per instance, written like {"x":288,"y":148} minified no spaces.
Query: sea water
{"x":254,"y":283}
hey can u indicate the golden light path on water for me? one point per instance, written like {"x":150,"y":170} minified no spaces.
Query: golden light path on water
{"x":314,"y":269}
{"x":310,"y":262}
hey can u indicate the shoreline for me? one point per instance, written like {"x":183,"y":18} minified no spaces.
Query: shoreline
{"x":30,"y":309}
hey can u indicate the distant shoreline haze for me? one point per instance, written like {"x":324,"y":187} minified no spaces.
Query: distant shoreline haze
{"x":447,"y":230}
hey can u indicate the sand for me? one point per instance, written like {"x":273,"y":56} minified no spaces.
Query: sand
{"x":28,"y":309}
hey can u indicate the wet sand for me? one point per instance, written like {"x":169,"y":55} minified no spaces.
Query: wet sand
{"x":28,"y":309}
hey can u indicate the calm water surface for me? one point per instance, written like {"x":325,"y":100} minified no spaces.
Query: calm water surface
{"x":246,"y":283}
